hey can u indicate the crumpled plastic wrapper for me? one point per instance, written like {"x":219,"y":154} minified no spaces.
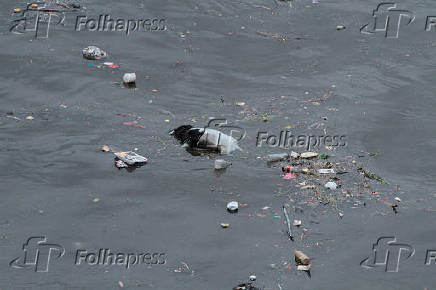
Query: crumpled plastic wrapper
{"x":93,"y":53}
{"x":131,"y":158}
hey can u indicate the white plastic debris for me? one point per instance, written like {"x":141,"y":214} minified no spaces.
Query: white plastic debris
{"x":252,"y":277}
{"x":216,"y":140}
{"x":121,"y":164}
{"x":129,"y":78}
{"x":326,"y":171}
{"x":232,"y":206}
{"x":278,"y":157}
{"x":308,"y":155}
{"x":340,"y":27}
{"x":131,"y":158}
{"x":331,"y":185}
{"x":303,"y":267}
{"x":205,"y":138}
{"x":296,"y":223}
{"x":294,"y":154}
{"x":221,"y":164}
{"x":93,"y":53}
{"x":397,"y":199}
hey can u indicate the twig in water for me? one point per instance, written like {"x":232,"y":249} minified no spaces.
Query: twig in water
{"x":288,"y":222}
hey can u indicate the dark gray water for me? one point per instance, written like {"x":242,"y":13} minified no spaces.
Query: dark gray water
{"x":287,"y":63}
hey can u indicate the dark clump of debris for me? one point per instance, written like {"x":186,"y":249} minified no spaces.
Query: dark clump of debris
{"x":245,"y":286}
{"x":371,"y":175}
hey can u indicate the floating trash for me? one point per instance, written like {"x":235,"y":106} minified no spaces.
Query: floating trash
{"x":232,"y":206}
{"x":326,"y":171}
{"x":290,"y":175}
{"x":121,"y":164}
{"x":323,"y":156}
{"x":221,"y":164}
{"x":129,"y":78}
{"x":303,"y":267}
{"x":301,"y":258}
{"x":331,"y":185}
{"x":288,"y":223}
{"x":205,"y":138}
{"x":131,"y":158}
{"x":277,"y":157}
{"x":93,"y":53}
{"x":308,"y":155}
{"x":245,"y":286}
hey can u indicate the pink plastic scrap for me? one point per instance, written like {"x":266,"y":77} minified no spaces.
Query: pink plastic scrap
{"x":290,"y":175}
